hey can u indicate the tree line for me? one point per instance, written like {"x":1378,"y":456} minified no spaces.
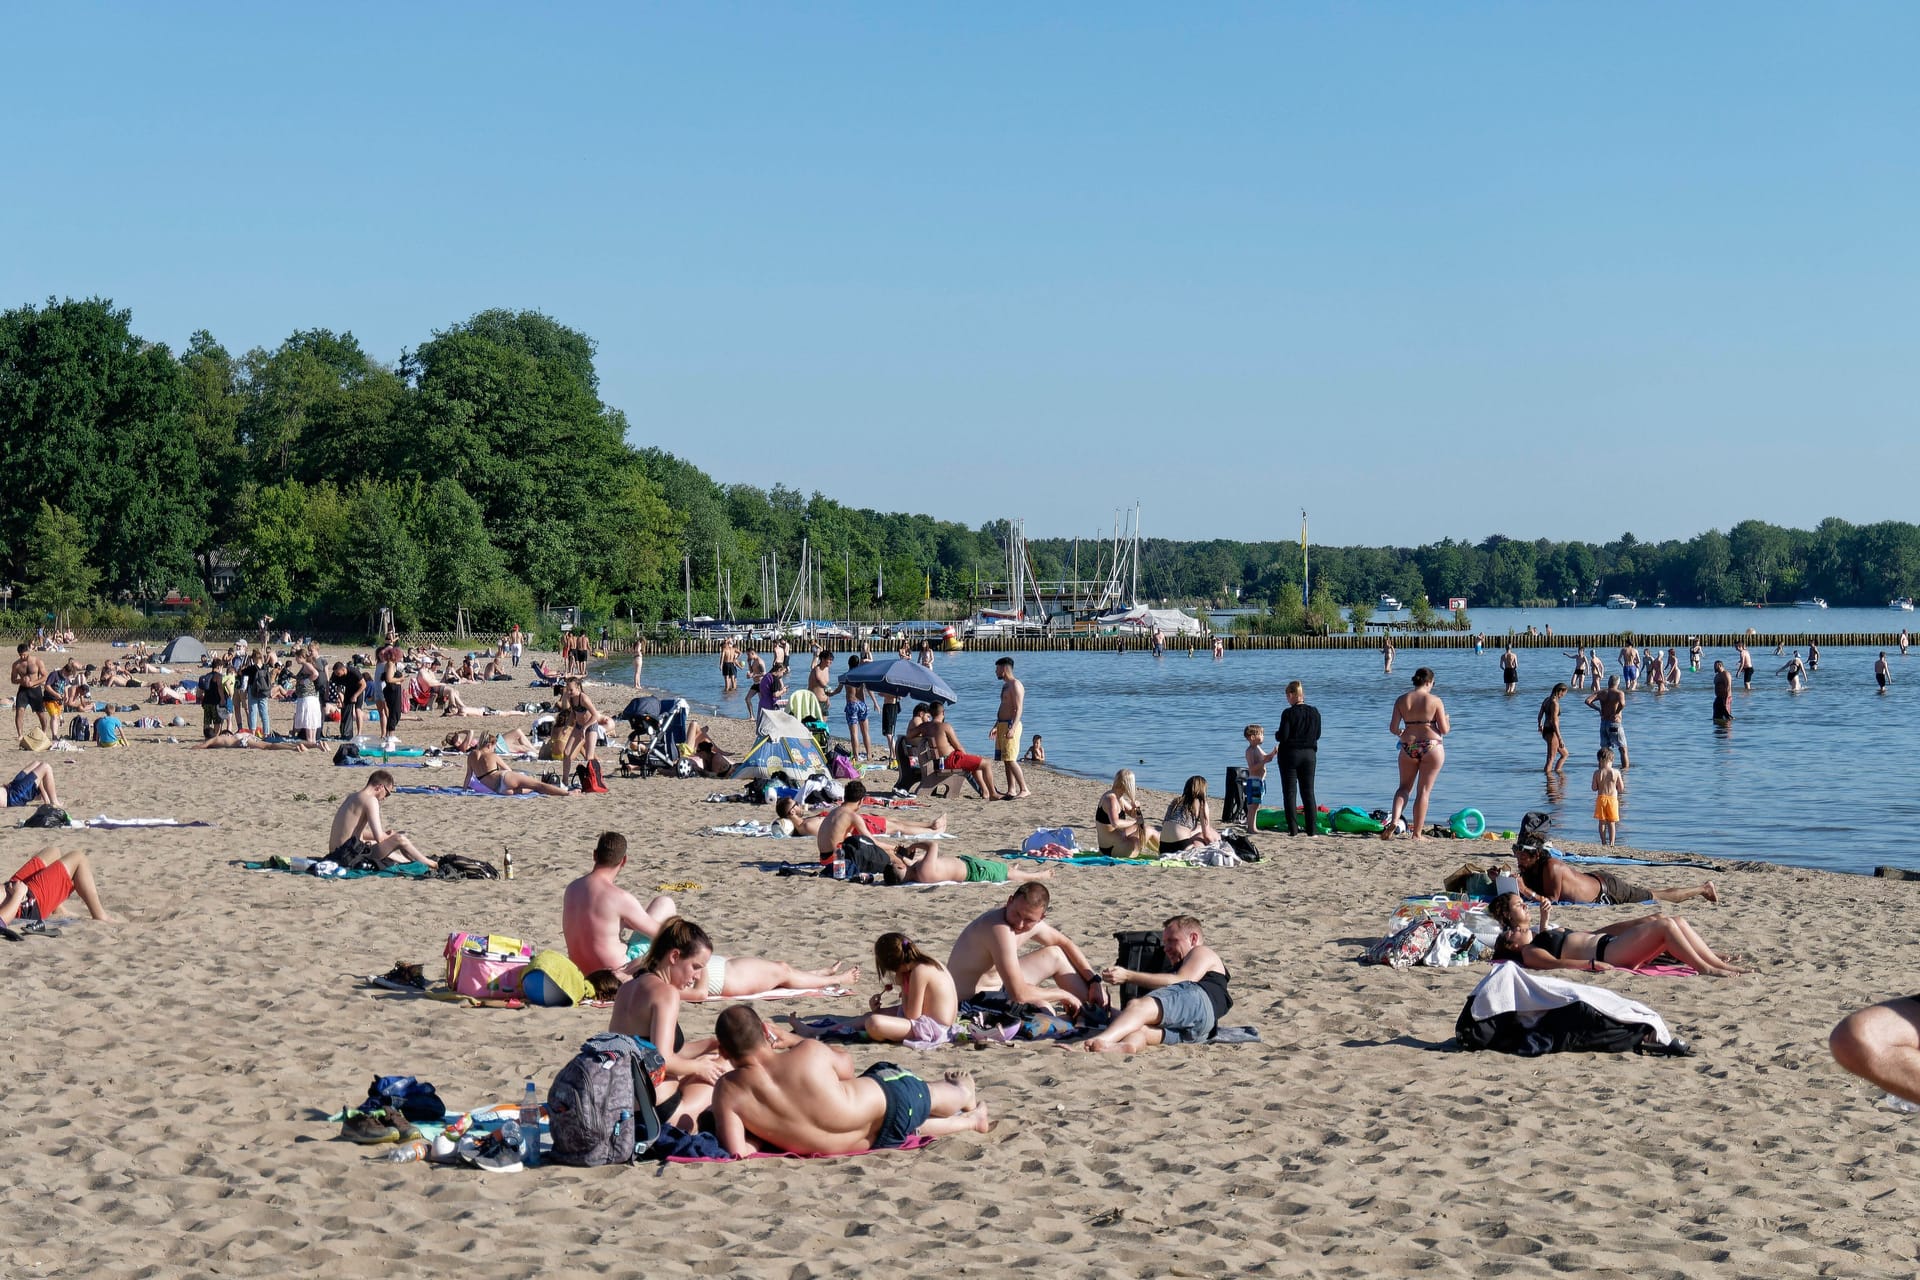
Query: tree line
{"x":481,"y":471}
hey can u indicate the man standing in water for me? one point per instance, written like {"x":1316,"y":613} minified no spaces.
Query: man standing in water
{"x":1881,"y":673}
{"x":1722,"y":693}
{"x":1510,"y":669}
{"x":1386,"y":653}
{"x":1549,"y":723}
{"x":1746,"y":667}
{"x":1006,"y":729}
{"x":1611,"y":704}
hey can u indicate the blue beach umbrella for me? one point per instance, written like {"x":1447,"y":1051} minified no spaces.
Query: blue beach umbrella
{"x":901,"y":678}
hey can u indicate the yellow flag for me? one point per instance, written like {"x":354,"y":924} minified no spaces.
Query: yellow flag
{"x":929,"y":586}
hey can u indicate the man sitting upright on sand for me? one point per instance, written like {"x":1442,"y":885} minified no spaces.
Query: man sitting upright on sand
{"x":358,"y":832}
{"x":808,"y":1101}
{"x":594,"y":909}
{"x":986,"y":956}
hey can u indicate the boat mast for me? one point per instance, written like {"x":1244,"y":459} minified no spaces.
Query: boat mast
{"x":1306,"y":577}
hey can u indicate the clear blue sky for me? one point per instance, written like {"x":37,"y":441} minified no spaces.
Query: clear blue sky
{"x":1425,"y":269}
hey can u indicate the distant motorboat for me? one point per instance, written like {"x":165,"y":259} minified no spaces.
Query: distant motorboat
{"x":1903,"y":604}
{"x":1812,"y":602}
{"x":1389,"y":605}
{"x":1618,"y":601}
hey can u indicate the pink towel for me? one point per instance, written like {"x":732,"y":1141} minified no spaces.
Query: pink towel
{"x":1668,"y":970}
{"x":913,"y":1143}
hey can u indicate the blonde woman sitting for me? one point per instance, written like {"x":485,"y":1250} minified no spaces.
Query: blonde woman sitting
{"x":1117,"y":822}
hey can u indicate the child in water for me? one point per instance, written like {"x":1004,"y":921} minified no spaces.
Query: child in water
{"x":1036,"y":754}
{"x":1608,"y":787}
{"x":1257,"y":762}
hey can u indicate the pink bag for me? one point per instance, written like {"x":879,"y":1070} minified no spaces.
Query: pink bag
{"x":486,"y":967}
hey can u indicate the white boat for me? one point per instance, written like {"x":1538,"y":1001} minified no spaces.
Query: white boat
{"x":1813,"y":602}
{"x":1618,"y":601}
{"x":1388,"y":604}
{"x":1902,"y":605}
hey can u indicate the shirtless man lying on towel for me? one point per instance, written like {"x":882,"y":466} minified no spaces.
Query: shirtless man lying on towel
{"x":938,"y":868}
{"x":986,"y":957}
{"x":243,"y":741}
{"x":807,"y":1099}
{"x":357,"y":828}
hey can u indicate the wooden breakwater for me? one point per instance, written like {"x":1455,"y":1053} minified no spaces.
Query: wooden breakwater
{"x":1606,"y":642}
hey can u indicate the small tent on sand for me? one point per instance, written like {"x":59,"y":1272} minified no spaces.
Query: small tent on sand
{"x":784,"y":746}
{"x":182,"y":650}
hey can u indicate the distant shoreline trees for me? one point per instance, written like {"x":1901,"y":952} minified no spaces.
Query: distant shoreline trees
{"x":482,"y":472}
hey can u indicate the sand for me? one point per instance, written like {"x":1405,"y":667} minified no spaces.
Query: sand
{"x":167,"y":1074}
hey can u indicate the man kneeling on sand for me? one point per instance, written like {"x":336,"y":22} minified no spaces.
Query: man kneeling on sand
{"x":1181,"y":1007}
{"x":358,"y":833}
{"x":807,"y":1100}
{"x":986,"y":959}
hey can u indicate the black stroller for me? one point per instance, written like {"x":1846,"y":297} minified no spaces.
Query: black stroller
{"x":659,"y":728}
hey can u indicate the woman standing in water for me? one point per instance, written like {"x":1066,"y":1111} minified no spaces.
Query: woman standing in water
{"x":1420,"y":722}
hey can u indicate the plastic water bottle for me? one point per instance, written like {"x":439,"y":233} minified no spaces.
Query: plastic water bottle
{"x":1894,"y":1102}
{"x":408,"y":1152}
{"x":530,"y":1126}
{"x":838,"y":869}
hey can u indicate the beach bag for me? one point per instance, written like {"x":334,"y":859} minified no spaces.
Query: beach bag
{"x":35,"y":739}
{"x":842,"y":766}
{"x":1406,"y":946}
{"x":553,"y":980}
{"x":80,"y":729}
{"x":1140,"y":951}
{"x":1242,"y":846}
{"x":486,"y":966}
{"x":414,"y":1099}
{"x":48,"y":815}
{"x":592,"y":781}
{"x":1044,"y":836}
{"x":457,"y":866}
{"x":601,"y":1109}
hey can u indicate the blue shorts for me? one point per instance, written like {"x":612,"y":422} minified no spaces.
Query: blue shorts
{"x":21,"y":790}
{"x":1612,"y":735}
{"x":1186,"y":1015}
{"x":909,"y":1102}
{"x":1255,"y":789}
{"x":1631,"y":673}
{"x":856,"y":712}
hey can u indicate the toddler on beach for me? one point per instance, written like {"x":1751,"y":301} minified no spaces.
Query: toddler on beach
{"x":1608,"y":787}
{"x":1257,"y":762}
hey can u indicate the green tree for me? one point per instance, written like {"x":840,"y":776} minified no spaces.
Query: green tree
{"x":459,"y":559}
{"x":58,"y":576}
{"x":389,"y":569}
{"x":275,"y":544}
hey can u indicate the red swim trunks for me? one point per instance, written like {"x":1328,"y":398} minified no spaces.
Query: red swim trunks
{"x":876,"y":825}
{"x":47,"y":887}
{"x":963,"y":762}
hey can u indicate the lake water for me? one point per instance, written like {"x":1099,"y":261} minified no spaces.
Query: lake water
{"x":1811,"y":778}
{"x":1780,"y":620}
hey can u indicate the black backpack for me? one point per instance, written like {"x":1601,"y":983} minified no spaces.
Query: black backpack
{"x":601,"y":1108}
{"x":80,"y":729}
{"x":457,"y":866}
{"x":1140,"y":951}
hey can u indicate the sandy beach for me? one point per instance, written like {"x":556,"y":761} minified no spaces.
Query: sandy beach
{"x":168,"y":1074}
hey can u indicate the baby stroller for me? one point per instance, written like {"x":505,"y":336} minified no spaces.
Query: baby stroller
{"x":659,"y":728}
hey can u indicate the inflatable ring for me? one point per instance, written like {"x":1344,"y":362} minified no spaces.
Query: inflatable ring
{"x":1468,"y":824}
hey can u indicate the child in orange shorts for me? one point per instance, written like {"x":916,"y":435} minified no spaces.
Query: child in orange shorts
{"x":1608,"y":786}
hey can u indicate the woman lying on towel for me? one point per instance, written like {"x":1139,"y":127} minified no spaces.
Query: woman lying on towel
{"x":736,"y":977}
{"x":1626,"y":945}
{"x":514,"y":741}
{"x":487,"y":774}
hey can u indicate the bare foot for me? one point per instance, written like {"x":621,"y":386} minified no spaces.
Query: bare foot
{"x":1711,"y":895}
{"x":981,"y":1121}
{"x":940,"y":823}
{"x":1096,"y":1046}
{"x":963,"y":1080}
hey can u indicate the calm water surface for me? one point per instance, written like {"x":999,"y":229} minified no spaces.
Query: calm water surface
{"x":1814,"y":778}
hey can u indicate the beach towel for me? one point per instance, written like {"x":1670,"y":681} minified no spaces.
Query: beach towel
{"x":1094,"y":860}
{"x":461,"y":791}
{"x":1617,"y":860}
{"x":748,"y":827}
{"x":103,"y":822}
{"x":387,"y":764}
{"x":913,"y":1143}
{"x":400,"y":871}
{"x":793,"y":993}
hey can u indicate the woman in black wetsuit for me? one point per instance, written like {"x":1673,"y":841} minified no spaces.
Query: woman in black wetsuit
{"x":1626,"y":945}
{"x":649,"y":1006}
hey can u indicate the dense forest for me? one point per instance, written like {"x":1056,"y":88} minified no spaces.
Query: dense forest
{"x":481,"y":471}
